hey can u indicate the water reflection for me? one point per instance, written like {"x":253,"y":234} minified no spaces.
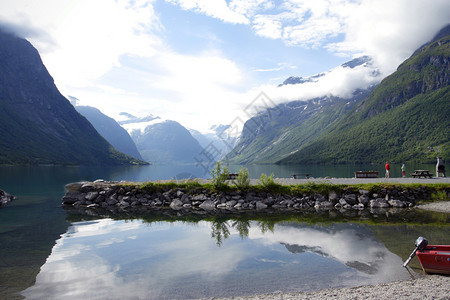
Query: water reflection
{"x":107,"y":259}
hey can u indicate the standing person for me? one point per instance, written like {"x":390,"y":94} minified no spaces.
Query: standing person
{"x":403,"y":171}
{"x":388,"y":168}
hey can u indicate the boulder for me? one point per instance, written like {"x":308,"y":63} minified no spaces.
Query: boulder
{"x":90,"y":196}
{"x":351,"y":199}
{"x":396,"y":203}
{"x":5,"y":198}
{"x":230,"y":203}
{"x":207,"y":205}
{"x":200,"y":197}
{"x":176,"y":204}
{"x":379,"y":203}
{"x":364,"y":199}
{"x":71,"y":197}
{"x":260,"y":205}
{"x":333,"y":197}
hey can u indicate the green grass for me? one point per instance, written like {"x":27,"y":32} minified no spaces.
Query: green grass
{"x":438,"y":191}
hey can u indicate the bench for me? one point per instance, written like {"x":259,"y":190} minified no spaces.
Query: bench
{"x":421,"y":173}
{"x":366,"y":174}
{"x":296,"y":175}
{"x":232,"y":176}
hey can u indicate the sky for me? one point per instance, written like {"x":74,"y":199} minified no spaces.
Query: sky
{"x":206,"y":62}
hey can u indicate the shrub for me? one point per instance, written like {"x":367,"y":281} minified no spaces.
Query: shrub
{"x":219,"y":176}
{"x":242,"y":181}
{"x":267,"y":182}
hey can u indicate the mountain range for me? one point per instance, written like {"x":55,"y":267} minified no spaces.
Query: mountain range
{"x":161,"y":141}
{"x":37,"y":124}
{"x":404,"y":118}
{"x":108,"y":128}
{"x":277,"y":132}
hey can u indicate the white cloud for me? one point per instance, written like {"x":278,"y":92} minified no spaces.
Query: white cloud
{"x":389,"y":31}
{"x":88,"y":42}
{"x":214,"y":8}
{"x":339,"y":82}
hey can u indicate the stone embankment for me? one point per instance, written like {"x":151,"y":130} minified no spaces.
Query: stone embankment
{"x":5,"y":198}
{"x":104,"y":194}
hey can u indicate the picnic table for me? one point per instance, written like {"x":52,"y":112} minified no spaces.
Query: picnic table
{"x":421,"y":173}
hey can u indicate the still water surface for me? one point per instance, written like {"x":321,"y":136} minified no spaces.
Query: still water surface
{"x":47,"y":252}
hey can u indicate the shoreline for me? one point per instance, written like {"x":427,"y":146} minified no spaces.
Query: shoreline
{"x":340,"y":194}
{"x":424,"y":287}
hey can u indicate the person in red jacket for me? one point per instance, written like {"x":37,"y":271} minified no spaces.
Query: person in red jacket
{"x":388,"y":168}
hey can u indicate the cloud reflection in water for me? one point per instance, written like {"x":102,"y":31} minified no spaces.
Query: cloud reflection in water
{"x":107,"y":259}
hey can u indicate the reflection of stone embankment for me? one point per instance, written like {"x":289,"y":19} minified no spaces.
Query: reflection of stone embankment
{"x":5,"y":198}
{"x":107,"y":195}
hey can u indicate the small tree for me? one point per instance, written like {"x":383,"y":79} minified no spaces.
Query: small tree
{"x":219,"y":176}
{"x":242,"y":181}
{"x":267,"y":182}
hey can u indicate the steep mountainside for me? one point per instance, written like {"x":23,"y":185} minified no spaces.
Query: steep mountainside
{"x":405,"y":118}
{"x":108,"y":128}
{"x":162,"y":141}
{"x":280,"y":131}
{"x":37,"y":124}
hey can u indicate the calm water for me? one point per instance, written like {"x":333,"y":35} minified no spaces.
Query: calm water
{"x":47,"y":252}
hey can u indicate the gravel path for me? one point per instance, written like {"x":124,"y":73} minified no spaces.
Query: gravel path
{"x":425,"y":287}
{"x":361,"y":180}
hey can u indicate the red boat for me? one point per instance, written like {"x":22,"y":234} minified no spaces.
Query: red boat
{"x":434,"y":259}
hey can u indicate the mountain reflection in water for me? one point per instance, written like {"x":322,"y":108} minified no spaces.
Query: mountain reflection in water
{"x":107,"y":259}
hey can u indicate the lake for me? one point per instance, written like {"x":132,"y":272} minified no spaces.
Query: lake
{"x":47,"y":252}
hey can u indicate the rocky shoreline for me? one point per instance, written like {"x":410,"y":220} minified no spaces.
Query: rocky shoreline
{"x":128,"y":196}
{"x":5,"y":198}
{"x":425,"y":287}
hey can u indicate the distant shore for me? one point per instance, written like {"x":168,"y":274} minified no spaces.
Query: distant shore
{"x":425,"y":287}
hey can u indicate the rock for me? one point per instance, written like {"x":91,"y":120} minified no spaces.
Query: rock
{"x":342,"y":202}
{"x":5,"y":198}
{"x":87,"y":187}
{"x":260,"y":205}
{"x":323,"y":205}
{"x":363,"y":199}
{"x":333,"y":197}
{"x":176,"y":204}
{"x":200,"y":197}
{"x":351,"y":199}
{"x":379,"y":203}
{"x":91,"y":196}
{"x":364,"y":192}
{"x":207,"y":205}
{"x":230,"y":203}
{"x":185,"y":198}
{"x":123,"y":204}
{"x":71,"y":197}
{"x":396,"y":203}
{"x":320,"y":198}
{"x":358,"y":206}
{"x":72,"y":187}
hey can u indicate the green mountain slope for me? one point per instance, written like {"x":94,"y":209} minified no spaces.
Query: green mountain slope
{"x":405,"y":118}
{"x":277,"y":133}
{"x":37,"y":124}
